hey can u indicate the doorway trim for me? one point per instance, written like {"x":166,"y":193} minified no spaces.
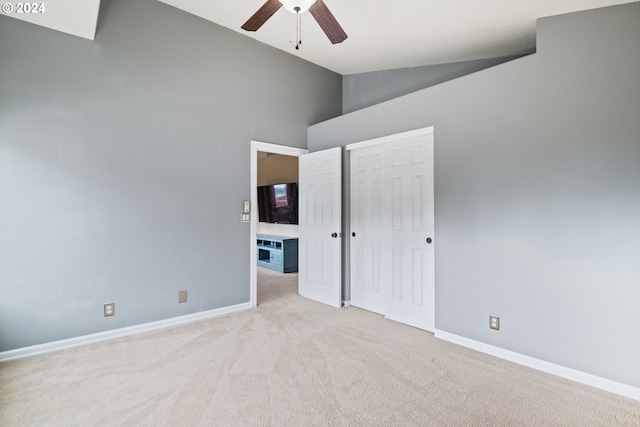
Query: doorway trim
{"x":390,"y":138}
{"x":266,"y":147}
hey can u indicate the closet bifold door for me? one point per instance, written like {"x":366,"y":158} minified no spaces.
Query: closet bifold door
{"x":392,"y":227}
{"x":369,"y":231}
{"x":410,"y":176}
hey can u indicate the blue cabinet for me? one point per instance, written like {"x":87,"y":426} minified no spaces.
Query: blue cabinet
{"x":278,"y":253}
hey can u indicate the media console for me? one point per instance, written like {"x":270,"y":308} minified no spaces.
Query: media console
{"x":277,"y":252}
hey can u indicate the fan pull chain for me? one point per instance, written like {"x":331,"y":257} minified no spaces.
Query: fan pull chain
{"x":298,"y":28}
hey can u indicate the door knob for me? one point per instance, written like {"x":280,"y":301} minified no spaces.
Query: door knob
{"x":429,"y":240}
{"x":334,"y":235}
{"x":353,"y":234}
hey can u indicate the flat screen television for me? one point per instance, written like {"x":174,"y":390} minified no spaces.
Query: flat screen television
{"x":278,"y":203}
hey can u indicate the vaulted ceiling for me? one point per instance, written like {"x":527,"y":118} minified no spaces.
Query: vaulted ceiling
{"x":382,"y":34}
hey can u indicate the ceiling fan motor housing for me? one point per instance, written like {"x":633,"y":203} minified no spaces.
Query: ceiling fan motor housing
{"x":297,"y":6}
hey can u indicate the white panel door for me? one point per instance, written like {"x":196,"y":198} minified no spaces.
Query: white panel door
{"x":410,"y":175}
{"x":369,"y":229}
{"x":320,"y":226}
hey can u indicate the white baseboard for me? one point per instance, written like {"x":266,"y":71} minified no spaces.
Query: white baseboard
{"x":49,"y":347}
{"x":550,"y":368}
{"x":346,"y":303}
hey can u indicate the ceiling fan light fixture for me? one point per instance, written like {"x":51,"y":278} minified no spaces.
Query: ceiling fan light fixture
{"x":317,"y":8}
{"x":297,"y":6}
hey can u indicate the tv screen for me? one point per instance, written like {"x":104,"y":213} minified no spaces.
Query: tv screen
{"x":278,"y":203}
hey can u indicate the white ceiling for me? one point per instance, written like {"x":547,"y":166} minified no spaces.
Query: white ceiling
{"x":382,"y":34}
{"x":387,"y":34}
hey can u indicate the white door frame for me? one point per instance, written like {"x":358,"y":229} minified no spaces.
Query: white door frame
{"x":267,"y":148}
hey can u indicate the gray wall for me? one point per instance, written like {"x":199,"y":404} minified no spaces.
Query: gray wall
{"x":366,"y":89}
{"x":537,"y":193}
{"x":124,"y":163}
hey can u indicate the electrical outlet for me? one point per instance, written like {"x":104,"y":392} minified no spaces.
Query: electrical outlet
{"x":182,"y":296}
{"x":494,"y":322}
{"x":109,"y":309}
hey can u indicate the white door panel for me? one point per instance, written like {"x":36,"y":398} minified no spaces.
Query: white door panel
{"x":320,"y":226}
{"x":367,"y":228}
{"x":411,"y":170}
{"x":392,"y":268}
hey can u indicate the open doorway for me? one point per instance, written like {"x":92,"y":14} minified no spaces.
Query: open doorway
{"x":270,"y":164}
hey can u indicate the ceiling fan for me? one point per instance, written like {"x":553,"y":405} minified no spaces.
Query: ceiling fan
{"x":317,"y":8}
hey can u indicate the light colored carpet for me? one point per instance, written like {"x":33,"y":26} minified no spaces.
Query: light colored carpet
{"x":293,"y":362}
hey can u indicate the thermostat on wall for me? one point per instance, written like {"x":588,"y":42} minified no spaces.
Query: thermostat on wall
{"x":246,"y":211}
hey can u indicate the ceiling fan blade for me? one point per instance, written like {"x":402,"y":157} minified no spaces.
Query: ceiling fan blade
{"x":261,"y":16}
{"x":327,"y":22}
